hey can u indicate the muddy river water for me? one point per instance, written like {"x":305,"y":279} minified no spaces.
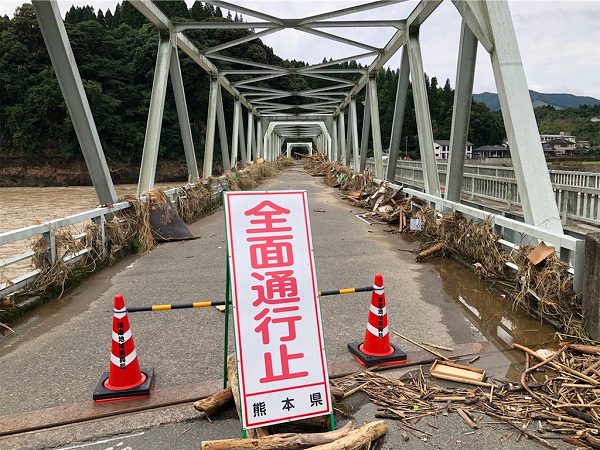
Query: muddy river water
{"x":25,"y":206}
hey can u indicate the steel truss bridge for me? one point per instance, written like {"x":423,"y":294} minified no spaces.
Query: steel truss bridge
{"x":327,"y":116}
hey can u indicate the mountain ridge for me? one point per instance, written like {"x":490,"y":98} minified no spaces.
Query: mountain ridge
{"x":557,"y":100}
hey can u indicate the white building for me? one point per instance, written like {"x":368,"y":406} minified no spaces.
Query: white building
{"x":442,"y":149}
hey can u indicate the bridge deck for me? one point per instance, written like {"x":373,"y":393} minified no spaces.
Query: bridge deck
{"x":57,"y":358}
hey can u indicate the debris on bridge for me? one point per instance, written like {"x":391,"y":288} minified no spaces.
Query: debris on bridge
{"x":544,"y":289}
{"x":346,"y":437}
{"x":557,"y":398}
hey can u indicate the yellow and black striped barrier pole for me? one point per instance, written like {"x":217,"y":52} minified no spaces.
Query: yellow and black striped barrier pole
{"x":205,"y":304}
{"x":346,"y":291}
{"x":208,"y":303}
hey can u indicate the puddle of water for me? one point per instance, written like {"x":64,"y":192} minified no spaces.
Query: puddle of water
{"x":495,"y":318}
{"x":493,"y":315}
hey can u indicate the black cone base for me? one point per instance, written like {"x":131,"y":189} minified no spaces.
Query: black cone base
{"x":398,"y":357}
{"x":143,"y":390}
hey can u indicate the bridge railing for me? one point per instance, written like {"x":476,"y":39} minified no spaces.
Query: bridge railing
{"x":577,"y":194}
{"x":516,"y":233}
{"x":25,"y":276}
{"x":561,"y":177}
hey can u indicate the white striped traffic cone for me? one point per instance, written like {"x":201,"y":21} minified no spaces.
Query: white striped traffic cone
{"x":124,"y":379}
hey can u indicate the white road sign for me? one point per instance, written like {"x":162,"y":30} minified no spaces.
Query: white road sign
{"x":279,"y":338}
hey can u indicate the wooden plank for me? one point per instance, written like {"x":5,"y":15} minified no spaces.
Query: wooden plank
{"x":457,"y":370}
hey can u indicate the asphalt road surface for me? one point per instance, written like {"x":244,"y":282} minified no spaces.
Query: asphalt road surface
{"x":56,"y":358}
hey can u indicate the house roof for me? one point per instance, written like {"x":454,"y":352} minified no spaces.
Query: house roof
{"x":559,"y":141}
{"x":490,"y":148}
{"x":444,"y":142}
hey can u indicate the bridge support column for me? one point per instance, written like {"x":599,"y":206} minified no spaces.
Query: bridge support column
{"x":211,"y":120}
{"x":67,"y":73}
{"x":533,"y":179}
{"x":250,"y":145}
{"x":465,"y":73}
{"x":366,"y":129}
{"x":183,"y":116}
{"x":348,"y":140}
{"x":155,"y":115}
{"x":342,"y":139}
{"x":242,"y":138}
{"x":235,"y":132}
{"x":375,"y":128}
{"x":430,"y":175}
{"x":591,"y":286}
{"x":259,"y":133}
{"x":399,"y":107}
{"x":353,"y":127}
{"x":222,"y":131}
{"x":334,"y":135}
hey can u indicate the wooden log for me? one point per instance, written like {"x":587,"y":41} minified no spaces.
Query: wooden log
{"x":590,"y":370}
{"x":355,"y":390}
{"x":214,"y":402}
{"x":556,"y":417}
{"x":283,"y":441}
{"x":357,"y":438}
{"x":232,"y":376}
{"x":465,"y":416}
{"x":450,"y":398}
{"x":435,"y":248}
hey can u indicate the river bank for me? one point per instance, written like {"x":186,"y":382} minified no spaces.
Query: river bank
{"x":19,"y":173}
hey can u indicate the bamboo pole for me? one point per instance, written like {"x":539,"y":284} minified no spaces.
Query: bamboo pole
{"x":556,"y":365}
{"x":433,"y":352}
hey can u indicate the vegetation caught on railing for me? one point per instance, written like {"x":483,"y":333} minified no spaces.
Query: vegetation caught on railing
{"x":544,"y":290}
{"x":77,"y":255}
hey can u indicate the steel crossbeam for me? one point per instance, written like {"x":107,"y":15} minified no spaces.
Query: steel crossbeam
{"x":320,"y":113}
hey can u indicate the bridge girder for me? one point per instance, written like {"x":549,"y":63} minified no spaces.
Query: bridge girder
{"x":332,"y":106}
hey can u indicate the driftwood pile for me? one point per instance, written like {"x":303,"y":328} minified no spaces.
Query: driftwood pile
{"x":344,"y":438}
{"x":384,"y":204}
{"x":558,"y":398}
{"x":544,"y":289}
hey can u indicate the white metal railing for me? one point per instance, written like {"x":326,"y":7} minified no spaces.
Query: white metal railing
{"x":515,"y":233}
{"x":48,"y":229}
{"x":577,"y":194}
{"x":562,"y":177}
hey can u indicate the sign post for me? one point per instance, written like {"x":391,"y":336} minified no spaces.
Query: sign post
{"x":280,"y":351}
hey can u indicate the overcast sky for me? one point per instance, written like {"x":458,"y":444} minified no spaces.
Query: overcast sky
{"x":559,"y":40}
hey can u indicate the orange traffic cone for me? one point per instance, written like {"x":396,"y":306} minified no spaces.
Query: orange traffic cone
{"x":124,"y":379}
{"x":376,"y":348}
